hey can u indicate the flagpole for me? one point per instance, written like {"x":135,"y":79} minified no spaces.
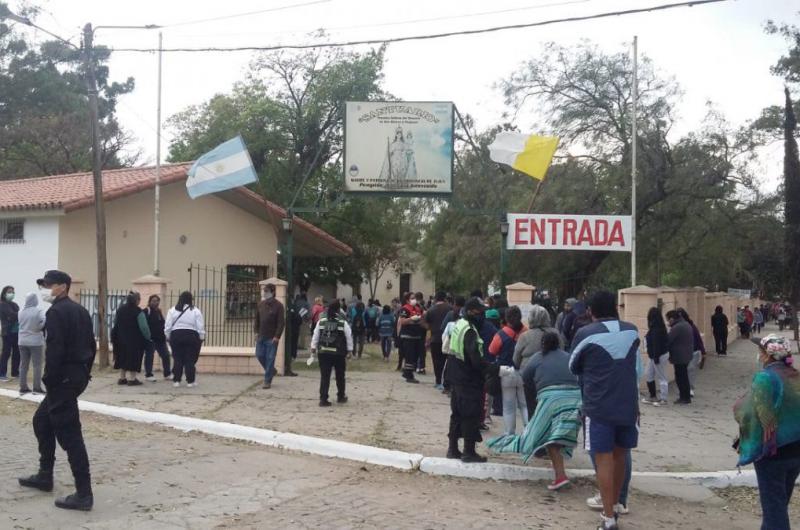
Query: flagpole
{"x":634,"y":138}
{"x":157,"y":209}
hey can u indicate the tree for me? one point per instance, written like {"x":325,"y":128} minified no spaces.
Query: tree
{"x":791,"y":184}
{"x":289,"y":110}
{"x":44,"y":121}
{"x":690,"y":189}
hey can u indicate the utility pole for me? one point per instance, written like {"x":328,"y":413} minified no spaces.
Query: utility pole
{"x":634,"y":139}
{"x":157,"y":209}
{"x":99,"y":208}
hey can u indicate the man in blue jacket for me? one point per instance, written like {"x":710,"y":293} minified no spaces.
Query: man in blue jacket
{"x":606,"y":357}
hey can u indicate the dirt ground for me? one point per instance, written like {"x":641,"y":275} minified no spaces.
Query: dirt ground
{"x":152,"y":477}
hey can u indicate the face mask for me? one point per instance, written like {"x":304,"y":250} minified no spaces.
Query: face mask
{"x":47,"y":295}
{"x":9,"y":297}
{"x":268,"y":295}
{"x":412,"y":302}
{"x":477,"y":319}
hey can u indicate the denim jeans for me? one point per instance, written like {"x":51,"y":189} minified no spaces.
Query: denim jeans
{"x":265,"y":353}
{"x":513,"y":399}
{"x":776,"y":478}
{"x":623,"y":493}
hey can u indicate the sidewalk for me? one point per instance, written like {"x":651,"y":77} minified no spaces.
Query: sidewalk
{"x":385,"y":411}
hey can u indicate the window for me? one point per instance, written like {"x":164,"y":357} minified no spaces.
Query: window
{"x":242,"y":290}
{"x":12,"y":231}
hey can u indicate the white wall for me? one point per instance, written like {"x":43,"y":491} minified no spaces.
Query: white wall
{"x":21,"y":264}
{"x":420,"y":281}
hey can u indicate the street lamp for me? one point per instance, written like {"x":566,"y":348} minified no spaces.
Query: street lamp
{"x":503,"y":255}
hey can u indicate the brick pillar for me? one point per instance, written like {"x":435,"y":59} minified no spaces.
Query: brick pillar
{"x":520,"y":294}
{"x":149,"y":285}
{"x":280,"y":295}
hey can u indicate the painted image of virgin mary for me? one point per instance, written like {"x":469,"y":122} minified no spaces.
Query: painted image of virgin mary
{"x":398,"y":162}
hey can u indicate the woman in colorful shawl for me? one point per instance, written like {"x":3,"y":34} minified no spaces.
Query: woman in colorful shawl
{"x":553,"y":431}
{"x":769,"y":429}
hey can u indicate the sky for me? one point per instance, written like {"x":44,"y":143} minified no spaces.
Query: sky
{"x":717,"y":52}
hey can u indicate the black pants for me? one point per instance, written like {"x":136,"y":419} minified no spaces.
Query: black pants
{"x":721,"y":341}
{"x":150,"y":348}
{"x":422,"y":356}
{"x":411,"y":349}
{"x":530,"y":400}
{"x":465,"y":413}
{"x":328,"y":362}
{"x":682,"y":381}
{"x":185,"y":352}
{"x":358,"y":342}
{"x":10,"y":350}
{"x":58,"y":419}
{"x":438,"y":361}
{"x":295,"y":339}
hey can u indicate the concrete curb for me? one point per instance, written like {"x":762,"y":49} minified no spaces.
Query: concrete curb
{"x":279,"y":440}
{"x":379,"y":456}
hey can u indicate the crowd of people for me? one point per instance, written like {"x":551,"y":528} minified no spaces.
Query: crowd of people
{"x":577,"y":371}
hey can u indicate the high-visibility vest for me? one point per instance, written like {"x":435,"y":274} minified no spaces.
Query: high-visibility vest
{"x":457,"y":338}
{"x":332,"y":336}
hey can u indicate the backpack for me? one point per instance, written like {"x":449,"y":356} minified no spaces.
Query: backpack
{"x":331,"y":337}
{"x":386,"y":325}
{"x":358,"y":322}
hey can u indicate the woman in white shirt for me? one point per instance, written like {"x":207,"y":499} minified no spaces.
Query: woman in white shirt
{"x":185,"y":332}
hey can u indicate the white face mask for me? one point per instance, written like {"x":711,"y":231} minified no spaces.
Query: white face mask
{"x":47,"y":295}
{"x":268,"y":295}
{"x":413,"y":302}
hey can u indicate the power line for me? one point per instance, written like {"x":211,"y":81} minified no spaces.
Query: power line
{"x":409,"y":21}
{"x":238,"y":15}
{"x":661,"y":7}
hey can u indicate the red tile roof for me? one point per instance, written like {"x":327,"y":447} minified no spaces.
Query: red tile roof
{"x":76,"y":190}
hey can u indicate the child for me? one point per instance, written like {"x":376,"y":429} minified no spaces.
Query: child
{"x":386,"y":324}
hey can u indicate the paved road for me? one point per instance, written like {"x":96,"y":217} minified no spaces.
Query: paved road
{"x":151,"y":477}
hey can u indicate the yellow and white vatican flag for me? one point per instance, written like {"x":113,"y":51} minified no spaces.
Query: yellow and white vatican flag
{"x":529,"y":153}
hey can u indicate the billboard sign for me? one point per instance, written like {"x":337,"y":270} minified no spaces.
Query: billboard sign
{"x":398,"y":148}
{"x":569,"y":232}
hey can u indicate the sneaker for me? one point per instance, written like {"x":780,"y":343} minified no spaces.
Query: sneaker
{"x":151,"y":378}
{"x":608,"y":523}
{"x":558,"y":484}
{"x":4,"y":379}
{"x":324,"y":403}
{"x":24,"y":391}
{"x":135,"y":382}
{"x":341,"y":399}
{"x":412,"y":380}
{"x":421,"y":371}
{"x":38,"y":391}
{"x":438,"y":387}
{"x":621,"y":509}
{"x":682,"y":402}
{"x":266,"y":386}
{"x":691,"y":393}
{"x":484,"y":427}
{"x":39,"y":481}
{"x":660,"y":403}
{"x":122,"y":381}
{"x":454,"y":454}
{"x":191,"y":385}
{"x":595,"y":503}
{"x":76,"y":502}
{"x":176,"y":384}
{"x":650,"y":400}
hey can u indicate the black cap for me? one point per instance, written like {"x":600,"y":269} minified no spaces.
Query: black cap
{"x":474,"y":303}
{"x":54,"y":277}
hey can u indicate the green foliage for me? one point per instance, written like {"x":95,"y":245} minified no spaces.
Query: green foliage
{"x":44,"y":120}
{"x":690,"y":190}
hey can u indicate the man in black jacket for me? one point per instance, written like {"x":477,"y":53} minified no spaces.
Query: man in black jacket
{"x":467,"y":373}
{"x":69,"y":358}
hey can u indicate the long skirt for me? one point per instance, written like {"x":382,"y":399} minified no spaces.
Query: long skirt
{"x":556,"y":421}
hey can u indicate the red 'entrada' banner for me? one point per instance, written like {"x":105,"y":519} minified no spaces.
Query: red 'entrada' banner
{"x":569,"y":232}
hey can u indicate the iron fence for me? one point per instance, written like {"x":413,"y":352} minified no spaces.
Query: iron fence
{"x":228,"y":298}
{"x":114,"y":298}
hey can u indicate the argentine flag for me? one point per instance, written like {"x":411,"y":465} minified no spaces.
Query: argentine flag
{"x":224,"y":167}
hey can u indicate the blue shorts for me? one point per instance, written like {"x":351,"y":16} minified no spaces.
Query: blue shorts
{"x":603,"y":438}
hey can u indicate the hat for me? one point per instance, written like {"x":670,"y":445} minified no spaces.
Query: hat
{"x":776,"y":346}
{"x":572,"y":301}
{"x":493,"y":314}
{"x":473,"y":304}
{"x":54,"y":277}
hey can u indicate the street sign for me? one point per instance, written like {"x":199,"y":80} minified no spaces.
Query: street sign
{"x":569,"y":232}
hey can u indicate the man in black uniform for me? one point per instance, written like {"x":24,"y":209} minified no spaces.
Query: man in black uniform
{"x":68,"y":362}
{"x":467,"y":373}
